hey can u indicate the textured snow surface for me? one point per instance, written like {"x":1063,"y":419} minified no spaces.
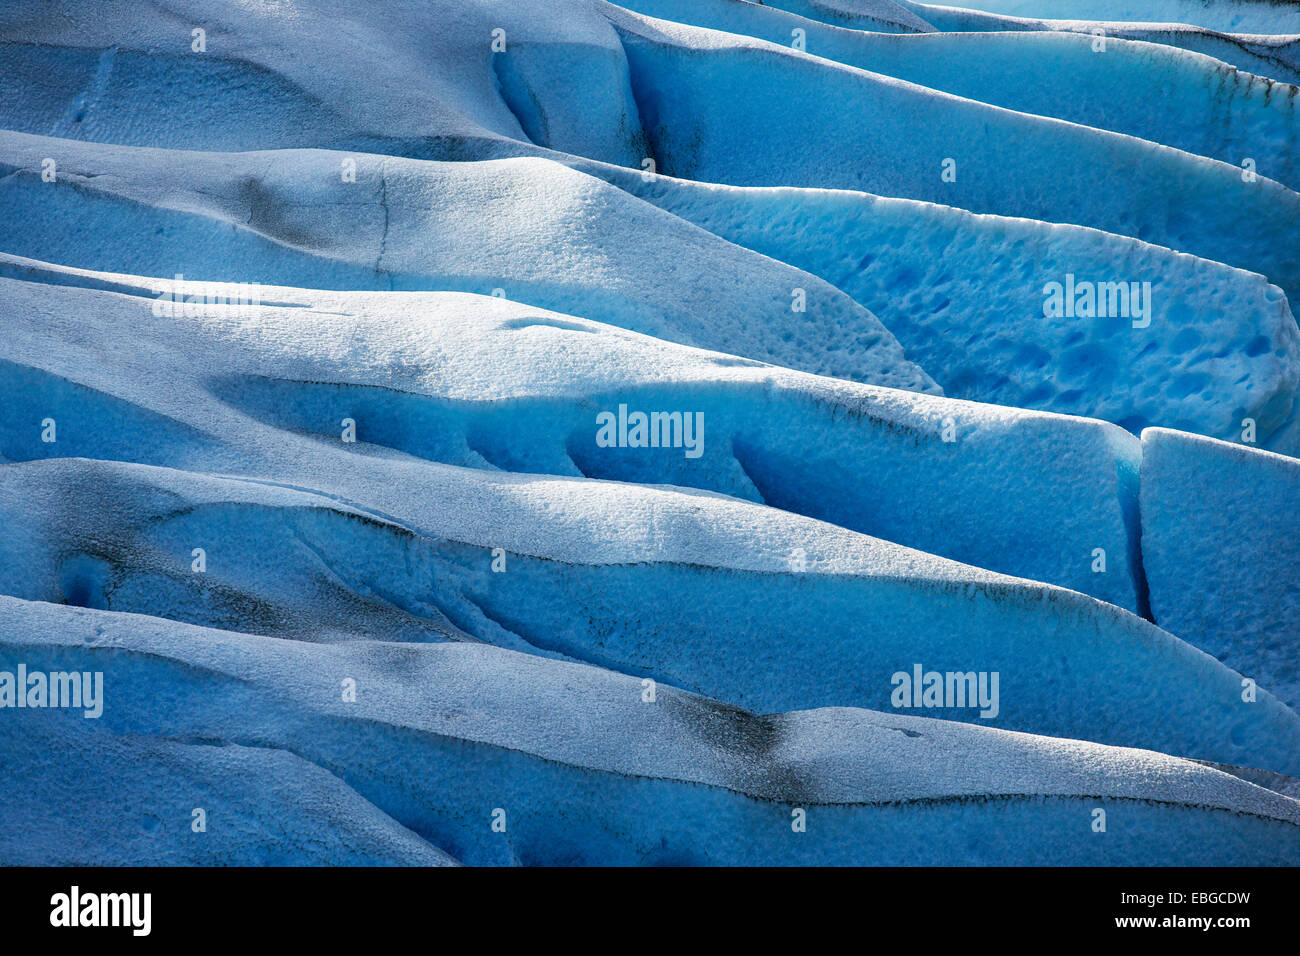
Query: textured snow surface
{"x":1221,"y":545}
{"x":323,"y":350}
{"x":742,"y":111}
{"x":440,"y":733}
{"x":135,"y":797}
{"x":1273,"y":52}
{"x":540,"y":232}
{"x":1183,"y":99}
{"x":963,"y":293}
{"x":485,"y":383}
{"x":1228,"y":16}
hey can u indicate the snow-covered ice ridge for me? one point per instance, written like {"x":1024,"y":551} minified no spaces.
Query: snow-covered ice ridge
{"x":667,"y":432}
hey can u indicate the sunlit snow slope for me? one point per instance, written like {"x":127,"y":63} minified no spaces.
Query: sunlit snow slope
{"x":653,"y":433}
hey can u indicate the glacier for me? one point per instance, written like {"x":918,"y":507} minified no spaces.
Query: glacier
{"x":444,"y":734}
{"x":1196,"y":490}
{"x":459,"y":432}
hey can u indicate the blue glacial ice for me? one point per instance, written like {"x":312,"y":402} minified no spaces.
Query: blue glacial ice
{"x":585,"y":433}
{"x":442,"y":738}
{"x":1221,"y":547}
